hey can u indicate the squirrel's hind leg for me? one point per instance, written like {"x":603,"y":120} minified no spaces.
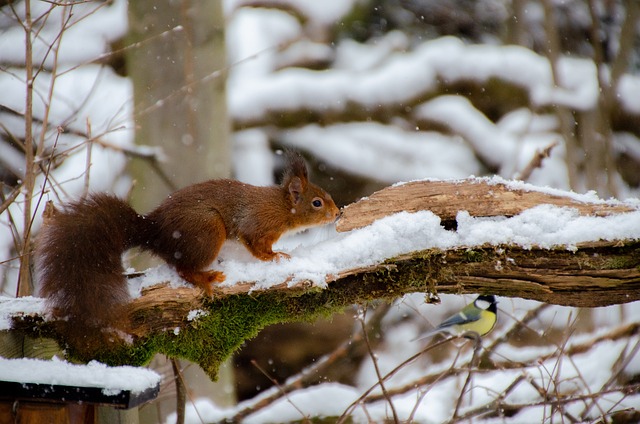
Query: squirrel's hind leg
{"x":199,"y":252}
{"x":203,"y":279}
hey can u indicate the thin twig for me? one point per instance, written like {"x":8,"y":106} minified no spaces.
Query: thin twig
{"x":515,"y":328}
{"x":181,"y":398}
{"x":512,"y":409}
{"x":555,"y":372}
{"x":536,"y":162}
{"x":618,"y":333}
{"x":375,"y":365}
{"x":390,"y":374}
{"x":277,"y":384}
{"x":302,"y":379}
{"x":491,"y":406}
{"x":141,"y":110}
{"x":622,"y":364}
{"x":472,"y":364}
{"x":102,"y":57}
{"x":24,"y":277}
{"x":7,"y":201}
{"x":310,"y":374}
{"x":87,"y":172}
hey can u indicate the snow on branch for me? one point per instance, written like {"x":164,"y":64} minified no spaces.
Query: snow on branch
{"x":479,"y":197}
{"x":339,"y":95}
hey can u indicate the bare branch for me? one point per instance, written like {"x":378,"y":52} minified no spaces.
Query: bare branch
{"x":535,"y":162}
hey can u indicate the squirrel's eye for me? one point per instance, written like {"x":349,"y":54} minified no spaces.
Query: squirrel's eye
{"x":317,"y":203}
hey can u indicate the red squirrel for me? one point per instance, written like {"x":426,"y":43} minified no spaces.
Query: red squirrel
{"x":79,"y":248}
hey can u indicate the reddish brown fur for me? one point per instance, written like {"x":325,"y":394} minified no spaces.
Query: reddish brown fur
{"x":80,"y":247}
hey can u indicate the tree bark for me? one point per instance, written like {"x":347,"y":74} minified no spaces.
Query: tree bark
{"x":479,"y":197}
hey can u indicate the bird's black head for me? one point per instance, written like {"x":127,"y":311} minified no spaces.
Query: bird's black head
{"x":487,"y":302}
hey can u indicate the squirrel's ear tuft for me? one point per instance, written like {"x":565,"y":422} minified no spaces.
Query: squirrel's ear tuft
{"x":295,"y":166}
{"x":295,"y":190}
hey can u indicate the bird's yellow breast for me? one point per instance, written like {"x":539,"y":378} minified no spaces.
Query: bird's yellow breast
{"x":482,"y":326}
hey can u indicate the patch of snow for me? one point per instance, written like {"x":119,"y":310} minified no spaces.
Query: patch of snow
{"x":304,"y":402}
{"x":88,"y":32}
{"x":255,"y":35}
{"x":629,"y":93}
{"x":12,"y":306}
{"x":93,"y":374}
{"x":295,"y":406}
{"x":387,"y":153}
{"x":403,"y":76}
{"x":253,"y":162}
{"x":195,"y":314}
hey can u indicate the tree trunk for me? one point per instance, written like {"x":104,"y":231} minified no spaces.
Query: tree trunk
{"x":178,"y":73}
{"x":179,"y":92}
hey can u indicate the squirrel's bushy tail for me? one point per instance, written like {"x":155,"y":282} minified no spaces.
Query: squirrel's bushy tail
{"x":79,"y":263}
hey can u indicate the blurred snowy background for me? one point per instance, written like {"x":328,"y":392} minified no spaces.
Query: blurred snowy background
{"x":372,"y":92}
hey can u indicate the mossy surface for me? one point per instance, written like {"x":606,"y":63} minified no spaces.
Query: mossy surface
{"x":208,"y":339}
{"x":212,"y":337}
{"x":474,"y":255}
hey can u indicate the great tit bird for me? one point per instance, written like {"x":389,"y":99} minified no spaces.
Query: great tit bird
{"x":479,"y":316}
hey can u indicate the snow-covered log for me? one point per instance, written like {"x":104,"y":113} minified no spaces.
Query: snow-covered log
{"x":468,"y":236}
